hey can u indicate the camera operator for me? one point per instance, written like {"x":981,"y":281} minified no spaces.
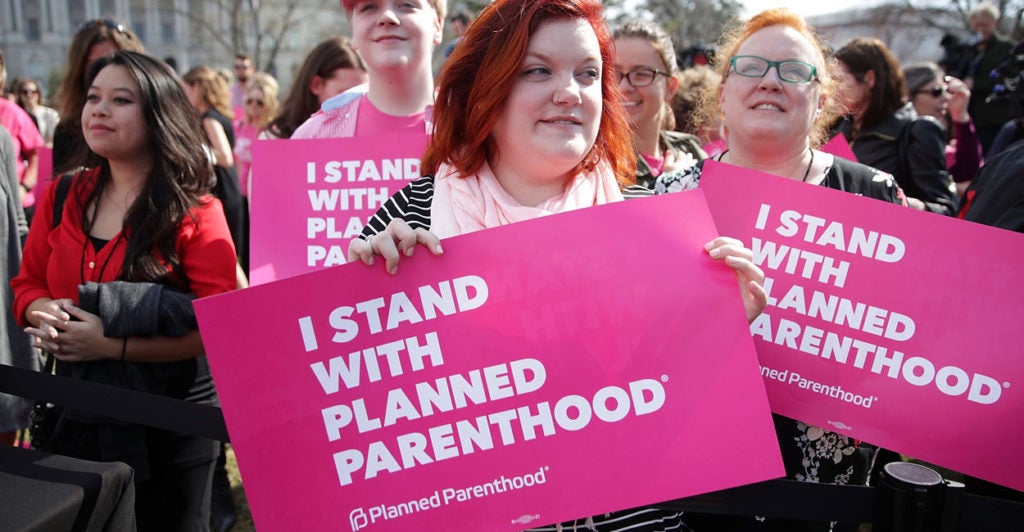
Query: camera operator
{"x":989,"y":51}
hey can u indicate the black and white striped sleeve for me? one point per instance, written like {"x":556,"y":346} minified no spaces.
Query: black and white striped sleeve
{"x":411,"y":204}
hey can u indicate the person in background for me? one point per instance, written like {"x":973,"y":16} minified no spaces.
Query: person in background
{"x":945,"y":99}
{"x":29,"y":97}
{"x":209,"y":96}
{"x":885,"y":132}
{"x":989,"y":49}
{"x":693,"y":82}
{"x":244,"y":69}
{"x":776,"y":102}
{"x":332,"y":67}
{"x":260,"y":109}
{"x":25,"y":135}
{"x":15,"y":348}
{"x":460,"y":20}
{"x":138,"y":229}
{"x":400,"y":90}
{"x":645,"y":61}
{"x":94,"y":39}
{"x":501,"y":153}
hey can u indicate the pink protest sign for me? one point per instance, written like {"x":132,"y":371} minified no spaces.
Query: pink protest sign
{"x":542,"y":371}
{"x":309,"y":198}
{"x":839,"y":147}
{"x":886,"y":324}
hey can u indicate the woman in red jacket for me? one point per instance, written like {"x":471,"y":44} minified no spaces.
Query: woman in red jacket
{"x":137,"y":217}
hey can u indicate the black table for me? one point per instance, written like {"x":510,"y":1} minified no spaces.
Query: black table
{"x":44,"y":492}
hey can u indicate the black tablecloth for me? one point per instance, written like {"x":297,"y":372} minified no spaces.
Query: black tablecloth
{"x":44,"y":492}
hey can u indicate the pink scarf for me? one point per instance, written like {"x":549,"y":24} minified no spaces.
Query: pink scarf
{"x":466,"y":204}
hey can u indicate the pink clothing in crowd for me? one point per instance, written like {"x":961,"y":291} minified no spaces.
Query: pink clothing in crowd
{"x":23,"y":132}
{"x":342,"y":121}
{"x":245,"y":135}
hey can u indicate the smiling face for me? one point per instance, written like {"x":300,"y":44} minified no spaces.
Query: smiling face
{"x":112,"y":120}
{"x":255,"y":103}
{"x":645,"y":106}
{"x":768,"y":110}
{"x":395,"y":33}
{"x":550,"y":121}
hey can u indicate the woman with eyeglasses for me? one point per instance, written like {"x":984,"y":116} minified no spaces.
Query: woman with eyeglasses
{"x":884,"y":130}
{"x":260,"y":108}
{"x":776,"y":99}
{"x":30,"y":98}
{"x":945,"y":99}
{"x":94,"y":39}
{"x":645,"y":62}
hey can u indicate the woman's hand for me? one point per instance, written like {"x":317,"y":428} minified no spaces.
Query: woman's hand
{"x":395,"y":240}
{"x":749,"y":276}
{"x":959,"y":98}
{"x":673,"y":161}
{"x":72,"y":334}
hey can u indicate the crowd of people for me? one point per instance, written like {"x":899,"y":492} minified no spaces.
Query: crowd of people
{"x":539,"y":108}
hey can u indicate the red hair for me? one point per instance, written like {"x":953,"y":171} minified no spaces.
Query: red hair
{"x":477,"y":79}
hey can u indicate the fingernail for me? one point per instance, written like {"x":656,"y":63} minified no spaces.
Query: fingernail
{"x":409,"y":250}
{"x":393,"y":270}
{"x":438,"y":249}
{"x":709,"y":245}
{"x":715,"y":253}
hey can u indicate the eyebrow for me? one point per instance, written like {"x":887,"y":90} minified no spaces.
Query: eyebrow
{"x":129,"y":90}
{"x":550,"y":58}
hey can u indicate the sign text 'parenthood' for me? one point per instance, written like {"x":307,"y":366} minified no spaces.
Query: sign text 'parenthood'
{"x":885,"y":324}
{"x":489,"y":387}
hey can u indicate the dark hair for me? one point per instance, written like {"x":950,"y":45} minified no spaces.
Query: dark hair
{"x":70,"y":96}
{"x":863,"y":54}
{"x":919,"y":75}
{"x":180,"y":174}
{"x":461,"y":15}
{"x":476,"y":81}
{"x":322,"y":61}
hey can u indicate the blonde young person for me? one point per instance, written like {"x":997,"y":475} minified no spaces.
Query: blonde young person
{"x":396,"y":39}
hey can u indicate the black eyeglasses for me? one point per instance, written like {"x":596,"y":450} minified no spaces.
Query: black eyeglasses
{"x":103,"y":23}
{"x":936,"y":91}
{"x":640,"y":76}
{"x":790,"y":71}
{"x":29,"y":92}
{"x":250,"y":101}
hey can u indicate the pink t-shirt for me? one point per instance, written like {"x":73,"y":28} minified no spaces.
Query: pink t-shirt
{"x":374,"y":122}
{"x":656,"y":163}
{"x":23,"y":132}
{"x":245,"y":135}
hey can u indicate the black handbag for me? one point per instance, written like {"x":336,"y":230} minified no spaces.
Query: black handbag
{"x":46,"y":418}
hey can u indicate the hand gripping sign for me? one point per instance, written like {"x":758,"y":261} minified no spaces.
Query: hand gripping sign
{"x":890,"y":325}
{"x":527,"y":376}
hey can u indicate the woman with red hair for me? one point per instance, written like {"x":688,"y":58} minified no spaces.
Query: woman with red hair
{"x":528,"y":123}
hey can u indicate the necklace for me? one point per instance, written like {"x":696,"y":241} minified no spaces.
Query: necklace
{"x":807,"y":172}
{"x":809,"y":165}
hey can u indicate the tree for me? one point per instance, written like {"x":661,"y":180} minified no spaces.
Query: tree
{"x":256,"y":27}
{"x":690,"y":23}
{"x":930,"y":11}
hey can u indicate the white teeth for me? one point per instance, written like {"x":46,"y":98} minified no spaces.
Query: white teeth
{"x":767,"y":107}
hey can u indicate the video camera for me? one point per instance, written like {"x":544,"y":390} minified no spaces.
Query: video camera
{"x":1008,"y":76}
